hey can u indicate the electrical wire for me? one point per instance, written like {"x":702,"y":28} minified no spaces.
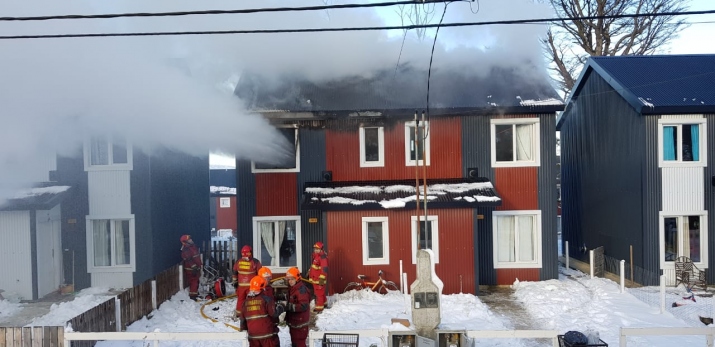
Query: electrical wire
{"x":429,"y":69}
{"x":313,"y":30}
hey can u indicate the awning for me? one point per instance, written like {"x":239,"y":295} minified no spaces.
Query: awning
{"x":43,"y":197}
{"x":398,"y":194}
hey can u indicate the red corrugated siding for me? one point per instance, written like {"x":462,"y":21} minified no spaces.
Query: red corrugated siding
{"x":276,"y":194}
{"x":456,"y":245}
{"x":226,"y":218}
{"x":517,"y":187}
{"x":343,"y":153}
{"x":508,"y":276}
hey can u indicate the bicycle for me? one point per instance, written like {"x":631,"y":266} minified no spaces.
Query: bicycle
{"x":381,"y":286}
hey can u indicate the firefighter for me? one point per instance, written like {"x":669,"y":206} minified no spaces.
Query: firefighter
{"x":191,"y":261}
{"x":320,"y":253}
{"x":297,"y":308}
{"x":268,"y":276}
{"x":243,"y":270}
{"x":318,"y":278}
{"x":258,"y":315}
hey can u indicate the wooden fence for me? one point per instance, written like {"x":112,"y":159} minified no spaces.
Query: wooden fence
{"x":221,"y":255}
{"x":32,"y":336}
{"x":99,"y":318}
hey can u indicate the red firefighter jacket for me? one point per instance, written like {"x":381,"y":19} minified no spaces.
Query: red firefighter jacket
{"x":323,"y":257}
{"x":244,"y":270}
{"x":191,"y":258}
{"x":317,"y":275}
{"x":298,"y":308}
{"x":259,"y":316}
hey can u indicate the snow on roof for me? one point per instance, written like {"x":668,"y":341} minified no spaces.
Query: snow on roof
{"x":40,"y":191}
{"x":545,"y":102}
{"x":223,"y":190}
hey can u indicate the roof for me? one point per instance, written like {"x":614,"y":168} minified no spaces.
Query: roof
{"x":656,"y":84}
{"x":398,"y":194}
{"x":402,"y":91}
{"x":43,"y":197}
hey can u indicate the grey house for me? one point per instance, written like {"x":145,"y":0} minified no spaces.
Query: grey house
{"x":637,"y":160}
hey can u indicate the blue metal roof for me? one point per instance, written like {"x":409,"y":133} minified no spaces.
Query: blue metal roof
{"x":659,"y":84}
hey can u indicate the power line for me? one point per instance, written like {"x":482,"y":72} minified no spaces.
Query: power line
{"x":313,"y":30}
{"x":205,"y":12}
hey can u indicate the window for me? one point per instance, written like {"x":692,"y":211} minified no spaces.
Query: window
{"x":414,"y":146}
{"x":225,"y":202}
{"x":684,"y":235}
{"x":107,"y":153}
{"x":110,"y":243}
{"x":429,"y":236}
{"x":276,"y":241}
{"x":375,"y":241}
{"x":289,"y":161}
{"x":515,"y":142}
{"x":372,"y":147}
{"x":517,"y":239}
{"x":682,"y":143}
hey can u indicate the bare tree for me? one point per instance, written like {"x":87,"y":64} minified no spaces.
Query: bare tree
{"x":570,"y":42}
{"x":416,"y":14}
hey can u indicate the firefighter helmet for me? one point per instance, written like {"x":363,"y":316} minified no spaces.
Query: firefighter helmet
{"x":257,"y":284}
{"x":293,"y":273}
{"x":185,"y":238}
{"x":265,"y":272}
{"x":246,"y":251}
{"x":318,"y":245}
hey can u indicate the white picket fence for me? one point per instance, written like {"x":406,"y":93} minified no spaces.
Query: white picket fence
{"x":156,"y":337}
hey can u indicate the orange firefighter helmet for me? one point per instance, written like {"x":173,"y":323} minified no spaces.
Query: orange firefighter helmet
{"x":257,"y":284}
{"x":293,"y":272}
{"x":265,"y":272}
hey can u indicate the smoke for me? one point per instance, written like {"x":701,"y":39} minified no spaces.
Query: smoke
{"x":176,"y":92}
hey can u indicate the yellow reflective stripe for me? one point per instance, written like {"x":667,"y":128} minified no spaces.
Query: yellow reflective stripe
{"x":299,"y":326}
{"x":256,"y":317}
{"x":246,"y":273}
{"x":321,"y":276}
{"x":260,"y":336}
{"x":244,"y":284}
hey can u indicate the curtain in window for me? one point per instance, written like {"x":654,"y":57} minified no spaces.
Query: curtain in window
{"x":99,"y":151}
{"x":695,"y":139}
{"x":101,"y":237}
{"x":524,"y":150}
{"x":668,"y":143}
{"x":505,"y":239}
{"x":268,"y":239}
{"x":121,"y":242}
{"x":526,"y":238}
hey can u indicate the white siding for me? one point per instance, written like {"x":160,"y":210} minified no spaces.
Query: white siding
{"x":113,"y":279}
{"x":109,"y":193}
{"x":49,"y":251}
{"x":15,"y":253}
{"x":683,"y":189}
{"x":681,"y":116}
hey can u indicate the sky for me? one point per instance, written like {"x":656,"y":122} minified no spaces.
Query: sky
{"x":572,"y":302}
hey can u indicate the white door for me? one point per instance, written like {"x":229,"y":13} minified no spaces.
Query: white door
{"x":49,"y":252}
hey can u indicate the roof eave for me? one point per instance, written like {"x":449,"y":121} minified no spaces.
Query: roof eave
{"x":408,"y":205}
{"x":407,"y":113}
{"x":677,"y":109}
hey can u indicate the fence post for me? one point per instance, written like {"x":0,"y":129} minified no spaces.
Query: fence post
{"x":117,"y":314}
{"x":401,"y":289}
{"x":153,"y":294}
{"x":623,"y":276}
{"x":566,"y":252}
{"x":590,"y":258}
{"x":662,"y":293}
{"x":181,"y":278}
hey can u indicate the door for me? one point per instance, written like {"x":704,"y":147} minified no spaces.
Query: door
{"x":49,"y":252}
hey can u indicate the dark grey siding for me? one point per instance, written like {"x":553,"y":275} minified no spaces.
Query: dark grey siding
{"x":179,"y":187}
{"x":647,"y":254}
{"x":141,"y":185}
{"x":602,"y":153}
{"x":710,"y":195}
{"x":246,"y":201}
{"x":547,"y":198}
{"x":74,"y":209}
{"x":312,"y":164}
{"x":476,"y":153}
{"x":33,"y":254}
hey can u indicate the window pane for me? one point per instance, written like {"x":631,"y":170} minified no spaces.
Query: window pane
{"x":372,"y":144}
{"x":425,"y":235}
{"x":691,"y":142}
{"x":504,"y":142}
{"x":670,"y":142}
{"x":287,"y":246}
{"x":288,"y":160}
{"x":119,"y":150}
{"x":267,"y":239}
{"x":506,"y":241}
{"x":670,"y":228}
{"x":121,"y":242}
{"x":101,"y":237}
{"x":374,"y":240}
{"x":416,"y":147}
{"x":524,"y":142}
{"x":693,"y":236}
{"x":526,"y":238}
{"x":99,"y":151}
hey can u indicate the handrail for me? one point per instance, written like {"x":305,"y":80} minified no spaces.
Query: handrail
{"x":667,"y":331}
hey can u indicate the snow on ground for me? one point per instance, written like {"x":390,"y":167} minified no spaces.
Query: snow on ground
{"x":8,"y":308}
{"x":84,"y":300}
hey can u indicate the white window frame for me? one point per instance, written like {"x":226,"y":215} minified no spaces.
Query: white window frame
{"x":435,"y":236}
{"x":537,"y":240}
{"x":679,"y":122}
{"x":132,"y":266}
{"x":298,"y":240}
{"x":703,"y":263}
{"x":297,"y":159}
{"x":408,"y":132}
{"x":385,"y":260}
{"x":380,"y":144}
{"x":224,"y":202}
{"x":535,"y":138}
{"x":88,"y":166}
